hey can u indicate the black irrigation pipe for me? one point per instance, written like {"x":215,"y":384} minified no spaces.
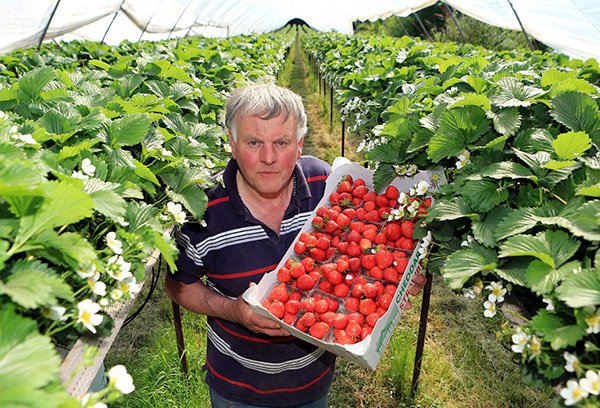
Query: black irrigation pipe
{"x":153,"y":284}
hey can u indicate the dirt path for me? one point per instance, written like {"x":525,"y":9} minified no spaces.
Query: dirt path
{"x":323,"y":139}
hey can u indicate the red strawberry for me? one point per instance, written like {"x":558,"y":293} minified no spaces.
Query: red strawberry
{"x":328,"y":317}
{"x":340,"y":321}
{"x":297,"y":270}
{"x":299,"y":247}
{"x":359,"y":182}
{"x":352,"y":304}
{"x":292,"y":306}
{"x":391,"y":274}
{"x":349,"y":212}
{"x":280,"y":293}
{"x":380,"y":238}
{"x":288,"y":318}
{"x":359,"y":191}
{"x":372,"y":319}
{"x":331,"y":226}
{"x":407,"y":228}
{"x":370,"y":290}
{"x":284,"y":275}
{"x":343,"y":221}
{"x":360,"y":213}
{"x":335,"y":277}
{"x":372,"y":216}
{"x":341,"y":290}
{"x":392,"y":231}
{"x":277,"y":309}
{"x":345,"y":199}
{"x":325,"y":286}
{"x":368,"y":261}
{"x":369,"y":206}
{"x":365,"y":331}
{"x":341,"y":337}
{"x":427,"y":202}
{"x":385,"y":301}
{"x":334,"y":197}
{"x":344,"y":187}
{"x":342,"y":247}
{"x":392,"y":193}
{"x":305,"y":282}
{"x":375,"y":272}
{"x":354,"y":236}
{"x":353,"y":329}
{"x":322,"y":243}
{"x":317,"y":253}
{"x":400,"y":264}
{"x":381,"y":201}
{"x":307,"y":319}
{"x":370,"y":196}
{"x":354,"y":264}
{"x":321,"y":306}
{"x":318,"y":222}
{"x":384,"y":258}
{"x":309,"y":264}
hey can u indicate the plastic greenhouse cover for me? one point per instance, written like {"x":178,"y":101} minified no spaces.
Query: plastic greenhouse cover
{"x":569,"y":26}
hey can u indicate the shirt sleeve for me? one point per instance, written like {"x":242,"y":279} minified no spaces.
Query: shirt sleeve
{"x":190,"y":267}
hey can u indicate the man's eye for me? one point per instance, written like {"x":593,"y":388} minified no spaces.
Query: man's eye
{"x":253,"y":143}
{"x":282,"y":143}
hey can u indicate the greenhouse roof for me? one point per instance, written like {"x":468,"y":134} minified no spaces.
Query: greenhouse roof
{"x":571,"y":27}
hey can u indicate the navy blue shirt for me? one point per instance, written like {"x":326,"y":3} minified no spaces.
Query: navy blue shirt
{"x":233,"y":250}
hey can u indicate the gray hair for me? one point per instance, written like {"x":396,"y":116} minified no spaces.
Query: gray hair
{"x":266,"y":101}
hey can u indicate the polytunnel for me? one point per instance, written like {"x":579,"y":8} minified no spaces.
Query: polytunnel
{"x":571,"y":27}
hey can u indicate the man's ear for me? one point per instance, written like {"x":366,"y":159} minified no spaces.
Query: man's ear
{"x":300,"y":144}
{"x":231,"y":143}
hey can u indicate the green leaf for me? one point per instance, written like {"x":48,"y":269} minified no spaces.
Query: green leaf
{"x":74,"y":150}
{"x":464,"y":263}
{"x":589,"y":191}
{"x":64,"y":204}
{"x":167,"y":250}
{"x":506,"y":121}
{"x":555,"y":330}
{"x":514,"y":93}
{"x":20,"y":178}
{"x":28,"y":362}
{"x":453,"y":209}
{"x":178,"y":73}
{"x":471,"y":99}
{"x":100,"y":64}
{"x":483,"y":231}
{"x":32,"y":284}
{"x":68,"y":249}
{"x":542,"y":278}
{"x":551,"y":247}
{"x":129,"y":130}
{"x":141,"y":215}
{"x":514,"y":271}
{"x":109,"y":203}
{"x":572,"y":144}
{"x":458,"y":127}
{"x":384,"y":173}
{"x":503,"y":170}
{"x":585,"y":222}
{"x":559,"y":165}
{"x":145,"y":173}
{"x":32,"y":83}
{"x":581,"y":289}
{"x":484,"y":195}
{"x":577,"y":111}
{"x":193,"y":198}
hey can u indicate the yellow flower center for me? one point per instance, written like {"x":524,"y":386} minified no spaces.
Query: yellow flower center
{"x":86,"y":316}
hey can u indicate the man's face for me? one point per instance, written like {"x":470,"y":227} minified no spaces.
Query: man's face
{"x":266,"y":152}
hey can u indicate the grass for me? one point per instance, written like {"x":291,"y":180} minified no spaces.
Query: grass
{"x":463,"y":363}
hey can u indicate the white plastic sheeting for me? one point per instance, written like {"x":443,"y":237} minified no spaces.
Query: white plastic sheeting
{"x":569,"y":26}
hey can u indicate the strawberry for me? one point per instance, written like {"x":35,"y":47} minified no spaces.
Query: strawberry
{"x":325,"y":286}
{"x":372,"y":216}
{"x":365,"y":331}
{"x":284,"y":275}
{"x":375,"y":272}
{"x":292,"y":306}
{"x":335,"y":277}
{"x":391,"y":193}
{"x":279,"y":292}
{"x":307,"y":319}
{"x":389,"y":289}
{"x":391,"y":274}
{"x":370,"y":196}
{"x":353,"y":329}
{"x":331,"y":226}
{"x":305,"y":282}
{"x":288,"y":318}
{"x":277,"y":309}
{"x":317,"y":253}
{"x":352,"y":304}
{"x":370,"y":290}
{"x":334,"y":197}
{"x":342,"y":247}
{"x":400,"y":264}
{"x":299,"y":247}
{"x":328,"y":317}
{"x":353,"y":236}
{"x":340,"y":321}
{"x":372,"y":319}
{"x":318,"y":222}
{"x":349,"y":212}
{"x":381,"y":201}
{"x":360,"y":213}
{"x":369,"y":206}
{"x":344,"y":187}
{"x":370,"y":234}
{"x":384,"y":258}
{"x":341,"y":337}
{"x":357,"y":290}
{"x":308,"y":263}
{"x":342,"y":264}
{"x":392,"y":231}
{"x":427,"y":202}
{"x":322,"y":243}
{"x":405,"y":243}
{"x":407,"y":227}
{"x":359,"y":191}
{"x":359,"y":182}
{"x":354,"y":264}
{"x":356,"y":201}
{"x":380,"y":238}
{"x":368,"y":261}
{"x":345,"y":199}
{"x":341,"y":290}
{"x":343,"y":221}
{"x":321,"y":306}
{"x":332,"y":305}
{"x":385,"y":301}
{"x":310,"y":241}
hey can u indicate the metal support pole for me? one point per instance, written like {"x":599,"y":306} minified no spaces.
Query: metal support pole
{"x":522,"y":28}
{"x":331,"y":106}
{"x":179,"y":335}
{"x":343,"y":136}
{"x":421,"y":335}
{"x":111,"y":22}
{"x":402,"y":26}
{"x":179,"y":18}
{"x":149,"y":20}
{"x":422,"y":26}
{"x":48,"y":25}
{"x":456,"y":22}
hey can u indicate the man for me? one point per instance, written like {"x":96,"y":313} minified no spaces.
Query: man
{"x":268,"y":194}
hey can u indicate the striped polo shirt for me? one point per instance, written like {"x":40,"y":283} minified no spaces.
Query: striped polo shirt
{"x":232,"y":251}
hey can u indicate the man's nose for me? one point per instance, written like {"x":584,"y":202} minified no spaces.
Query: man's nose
{"x":268,"y":155}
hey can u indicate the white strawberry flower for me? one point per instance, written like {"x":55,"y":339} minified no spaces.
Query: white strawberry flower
{"x":174,"y":208}
{"x":14,"y":129}
{"x":120,"y":379}
{"x":85,"y":402}
{"x":88,"y":314}
{"x":116,"y":294}
{"x":88,"y":273}
{"x":591,"y":382}
{"x":79,"y":175}
{"x":467,"y":241}
{"x":118,"y":268}
{"x":180,"y":218}
{"x":572,"y":362}
{"x":27,"y":139}
{"x":463,"y":159}
{"x":422,"y":187}
{"x":55,"y":312}
{"x":98,"y":287}
{"x":87,"y":167}
{"x":497,"y":292}
{"x":113,"y":243}
{"x":103,"y":302}
{"x":468,"y":293}
{"x":129,"y":285}
{"x":165,"y":152}
{"x":121,"y":221}
{"x":573,"y":393}
{"x":3,"y":115}
{"x":490,"y":309}
{"x":210,"y":164}
{"x":592,"y":319}
{"x":549,"y":304}
{"x":520,"y":340}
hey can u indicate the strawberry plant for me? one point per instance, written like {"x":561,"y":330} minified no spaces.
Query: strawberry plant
{"x":517,"y":135}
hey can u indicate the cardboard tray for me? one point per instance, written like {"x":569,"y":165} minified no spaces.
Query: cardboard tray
{"x":368,"y":352}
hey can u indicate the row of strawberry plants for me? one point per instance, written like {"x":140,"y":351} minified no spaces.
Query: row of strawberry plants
{"x":101,"y":150}
{"x":518,"y":136}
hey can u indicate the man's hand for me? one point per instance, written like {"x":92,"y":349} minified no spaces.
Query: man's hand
{"x":417,"y":282}
{"x":255,"y":322}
